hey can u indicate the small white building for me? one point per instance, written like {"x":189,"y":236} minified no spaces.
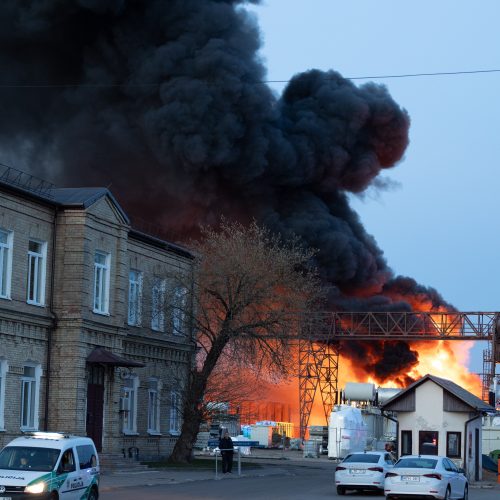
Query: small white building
{"x":438,"y":417}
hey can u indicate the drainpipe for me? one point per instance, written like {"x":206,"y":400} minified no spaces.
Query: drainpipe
{"x":465,"y":440}
{"x":53,"y":316}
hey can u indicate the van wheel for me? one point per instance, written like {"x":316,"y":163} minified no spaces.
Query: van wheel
{"x":340,"y":490}
{"x":54,"y":496}
{"x":93,"y":495}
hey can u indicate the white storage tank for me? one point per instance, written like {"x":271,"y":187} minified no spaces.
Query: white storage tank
{"x":357,"y":391}
{"x":386,"y":393}
{"x":347,"y":431}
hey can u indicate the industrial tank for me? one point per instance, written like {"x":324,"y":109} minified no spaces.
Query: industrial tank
{"x":347,"y":431}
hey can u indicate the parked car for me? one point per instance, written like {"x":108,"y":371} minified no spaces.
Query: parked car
{"x":363,"y":471}
{"x":49,"y":465}
{"x":426,"y":475}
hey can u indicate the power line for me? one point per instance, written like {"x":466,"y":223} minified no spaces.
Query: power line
{"x":113,"y":85}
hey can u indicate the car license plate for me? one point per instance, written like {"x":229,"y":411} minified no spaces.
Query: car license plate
{"x":5,"y":498}
{"x":357,"y":471}
{"x":410,"y":478}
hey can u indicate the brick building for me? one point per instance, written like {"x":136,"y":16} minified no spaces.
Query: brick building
{"x":94,"y":335}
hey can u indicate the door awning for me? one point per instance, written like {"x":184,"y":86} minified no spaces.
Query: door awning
{"x":105,"y":357}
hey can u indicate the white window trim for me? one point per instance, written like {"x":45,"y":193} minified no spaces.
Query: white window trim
{"x":178,"y":311}
{"x":131,"y":430}
{"x":175,"y":413}
{"x":156,"y":391}
{"x":138,"y":297}
{"x":36,"y":380}
{"x":158,"y":313}
{"x":103,"y":271}
{"x":4,"y":367}
{"x":6,"y":247}
{"x":42,"y":256}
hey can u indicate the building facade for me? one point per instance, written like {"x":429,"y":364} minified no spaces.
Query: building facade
{"x":437,"y":417}
{"x":95,"y":337}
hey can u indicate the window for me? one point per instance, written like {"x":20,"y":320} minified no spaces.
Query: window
{"x":175,"y":413}
{"x":134,"y":297}
{"x":130,"y":404}
{"x":453,"y":444}
{"x":30,"y":386}
{"x":86,"y":456}
{"x":101,"y":282}
{"x":179,"y":310}
{"x":3,"y":373}
{"x":406,"y":443}
{"x":37,"y":253}
{"x":428,"y":442}
{"x":153,"y":407}
{"x":67,"y":462}
{"x":6,"y":238}
{"x":158,"y":305}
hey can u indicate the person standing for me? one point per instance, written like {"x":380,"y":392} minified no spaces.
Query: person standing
{"x":226,"y":448}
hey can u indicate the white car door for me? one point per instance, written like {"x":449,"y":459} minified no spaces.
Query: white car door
{"x":71,"y":488}
{"x":454,"y":477}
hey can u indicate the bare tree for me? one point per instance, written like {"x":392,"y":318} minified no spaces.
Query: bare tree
{"x":249,"y":287}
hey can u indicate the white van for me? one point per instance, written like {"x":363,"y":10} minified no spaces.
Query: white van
{"x":46,"y":465}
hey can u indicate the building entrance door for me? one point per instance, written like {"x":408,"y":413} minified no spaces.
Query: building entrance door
{"x":95,"y":404}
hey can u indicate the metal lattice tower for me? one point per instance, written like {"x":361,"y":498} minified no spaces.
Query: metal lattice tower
{"x":322,"y":333}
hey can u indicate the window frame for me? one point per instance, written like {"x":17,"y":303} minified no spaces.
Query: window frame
{"x":134,"y":317}
{"x":458,"y":435}
{"x":175,"y":420}
{"x":158,"y":295}
{"x":36,"y":281}
{"x":102,"y":273}
{"x":6,"y":251}
{"x":33,"y":382}
{"x":425,"y":435}
{"x":154,"y":406}
{"x":4,"y":367}
{"x":130,"y":394}
{"x":180,"y":297}
{"x":406,"y":442}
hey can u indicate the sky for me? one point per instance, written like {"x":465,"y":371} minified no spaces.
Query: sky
{"x":436,"y":220}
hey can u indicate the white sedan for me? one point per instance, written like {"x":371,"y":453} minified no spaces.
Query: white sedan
{"x":363,"y":471}
{"x":426,"y":475}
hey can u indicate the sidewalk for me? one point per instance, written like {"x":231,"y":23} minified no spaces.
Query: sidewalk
{"x":260,"y":463}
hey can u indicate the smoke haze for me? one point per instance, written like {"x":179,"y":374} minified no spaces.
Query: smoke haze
{"x":165,"y":102}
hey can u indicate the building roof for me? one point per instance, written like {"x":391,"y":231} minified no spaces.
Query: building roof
{"x":83,"y":197}
{"x":459,"y":392}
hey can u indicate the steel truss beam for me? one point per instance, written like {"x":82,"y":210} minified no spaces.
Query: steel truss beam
{"x":321,"y":332}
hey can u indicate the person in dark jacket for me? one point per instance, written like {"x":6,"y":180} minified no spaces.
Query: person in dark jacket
{"x":226,"y":448}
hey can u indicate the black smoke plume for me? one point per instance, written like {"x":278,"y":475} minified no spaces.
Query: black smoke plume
{"x":165,"y":102}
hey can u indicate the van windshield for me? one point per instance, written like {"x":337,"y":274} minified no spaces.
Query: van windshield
{"x":28,"y":458}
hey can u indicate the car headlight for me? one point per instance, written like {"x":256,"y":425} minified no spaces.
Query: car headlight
{"x":36,"y":488}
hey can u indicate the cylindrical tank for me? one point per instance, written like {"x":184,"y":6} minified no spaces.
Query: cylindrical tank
{"x":386,"y":393}
{"x":356,"y":391}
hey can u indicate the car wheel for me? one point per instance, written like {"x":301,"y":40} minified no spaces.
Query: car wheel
{"x":466,"y":493}
{"x":340,"y":490}
{"x":447,"y":494}
{"x":93,"y":495}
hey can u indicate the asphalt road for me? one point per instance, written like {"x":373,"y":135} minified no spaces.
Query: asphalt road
{"x":304,"y":483}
